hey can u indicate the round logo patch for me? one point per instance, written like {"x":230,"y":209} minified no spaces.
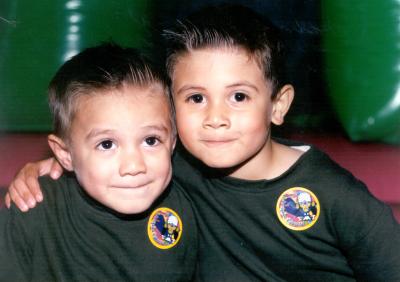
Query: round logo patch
{"x":298,"y":208}
{"x":164,"y":228}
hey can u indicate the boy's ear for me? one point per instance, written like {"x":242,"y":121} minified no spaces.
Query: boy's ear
{"x":61,"y":151}
{"x":281,"y":104}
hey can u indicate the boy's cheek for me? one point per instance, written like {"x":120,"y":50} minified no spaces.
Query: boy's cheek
{"x":188,"y":115}
{"x":96,"y":162}
{"x":183,"y":121}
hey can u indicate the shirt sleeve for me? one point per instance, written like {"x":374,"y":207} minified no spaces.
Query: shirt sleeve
{"x":15,"y":244}
{"x":369,"y":235}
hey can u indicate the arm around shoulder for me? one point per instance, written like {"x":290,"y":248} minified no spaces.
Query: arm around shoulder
{"x":25,"y":190}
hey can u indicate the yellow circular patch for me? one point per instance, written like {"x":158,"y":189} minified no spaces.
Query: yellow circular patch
{"x":164,"y":228}
{"x":298,"y":208}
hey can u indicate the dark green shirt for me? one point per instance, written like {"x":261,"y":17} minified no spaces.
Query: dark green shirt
{"x":71,"y":237}
{"x":259,"y":231}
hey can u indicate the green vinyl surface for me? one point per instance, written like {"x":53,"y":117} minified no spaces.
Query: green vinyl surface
{"x":362,"y":55}
{"x":36,"y":37}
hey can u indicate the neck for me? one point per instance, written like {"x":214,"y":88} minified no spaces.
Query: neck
{"x":270,"y":162}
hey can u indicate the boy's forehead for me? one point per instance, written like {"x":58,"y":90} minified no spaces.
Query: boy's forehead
{"x":116,"y":106}
{"x":151,"y":94}
{"x":227,"y":60}
{"x":248,"y":58}
{"x":152,"y":91}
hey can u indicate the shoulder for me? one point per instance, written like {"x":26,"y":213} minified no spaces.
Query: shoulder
{"x":331,"y":174}
{"x":177,"y":199}
{"x":19,"y":227}
{"x":331,"y":182}
{"x":56,"y":191}
{"x":176,"y":195}
{"x":313,"y":163}
{"x":47,"y":183}
{"x":33,"y":221}
{"x":51,"y":191}
{"x":346,"y":200}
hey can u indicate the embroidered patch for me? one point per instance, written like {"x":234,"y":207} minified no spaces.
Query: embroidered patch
{"x":298,"y":208}
{"x":164,"y":228}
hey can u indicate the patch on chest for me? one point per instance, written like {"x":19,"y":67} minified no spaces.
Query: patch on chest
{"x":298,"y":208}
{"x":164,"y":228}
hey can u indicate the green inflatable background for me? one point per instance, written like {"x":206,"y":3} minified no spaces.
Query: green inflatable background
{"x":362,"y":52}
{"x":36,"y":37}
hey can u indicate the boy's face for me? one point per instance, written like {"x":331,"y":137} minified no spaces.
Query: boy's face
{"x":121,"y":145}
{"x":224,"y":109}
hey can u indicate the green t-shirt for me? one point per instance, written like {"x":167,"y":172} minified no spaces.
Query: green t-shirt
{"x":315,"y":222}
{"x":71,"y":237}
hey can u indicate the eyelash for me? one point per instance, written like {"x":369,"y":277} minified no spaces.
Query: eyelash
{"x":192,"y":97}
{"x":101,"y":148}
{"x":245,"y":96}
{"x":156,"y":138}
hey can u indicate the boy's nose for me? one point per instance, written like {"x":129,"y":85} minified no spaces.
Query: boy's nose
{"x":216,"y":117}
{"x":132,"y":163}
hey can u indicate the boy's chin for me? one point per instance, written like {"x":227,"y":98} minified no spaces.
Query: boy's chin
{"x":132,"y":208}
{"x":219,"y":163}
{"x":223,"y":167}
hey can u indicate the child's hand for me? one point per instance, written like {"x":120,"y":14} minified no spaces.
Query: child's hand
{"x":24,"y":190}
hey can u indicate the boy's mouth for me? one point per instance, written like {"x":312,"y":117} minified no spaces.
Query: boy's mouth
{"x":134,"y":186}
{"x":217,"y":142}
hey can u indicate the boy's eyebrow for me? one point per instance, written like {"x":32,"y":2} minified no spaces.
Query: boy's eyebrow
{"x":161,"y":128}
{"x":95,"y":132}
{"x":236,"y":84}
{"x":243,"y":83}
{"x":189,"y":87}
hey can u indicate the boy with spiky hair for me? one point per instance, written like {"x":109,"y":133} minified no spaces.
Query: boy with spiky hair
{"x":268,"y":209}
{"x":116,"y":217}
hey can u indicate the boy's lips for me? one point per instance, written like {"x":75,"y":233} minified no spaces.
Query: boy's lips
{"x":217,"y":142}
{"x":134,"y":186}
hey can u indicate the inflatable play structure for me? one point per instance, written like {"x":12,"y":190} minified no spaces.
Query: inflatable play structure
{"x":362,"y":55}
{"x":36,"y":38}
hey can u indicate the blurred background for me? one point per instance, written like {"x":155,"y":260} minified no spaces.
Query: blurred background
{"x":343,"y":59}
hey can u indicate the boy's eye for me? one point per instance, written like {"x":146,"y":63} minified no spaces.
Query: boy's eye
{"x":239,"y":97}
{"x":152,"y":141}
{"x":196,"y":98}
{"x":106,"y":145}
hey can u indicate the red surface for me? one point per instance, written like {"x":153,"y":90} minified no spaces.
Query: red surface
{"x":18,"y":149}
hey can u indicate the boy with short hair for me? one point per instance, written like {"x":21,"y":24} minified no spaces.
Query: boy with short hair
{"x":116,"y":217}
{"x":268,"y":209}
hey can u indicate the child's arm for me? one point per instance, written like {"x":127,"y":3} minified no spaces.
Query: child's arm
{"x":24,"y":190}
{"x":377,"y":256}
{"x":15,"y":255}
{"x":369,"y":235}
